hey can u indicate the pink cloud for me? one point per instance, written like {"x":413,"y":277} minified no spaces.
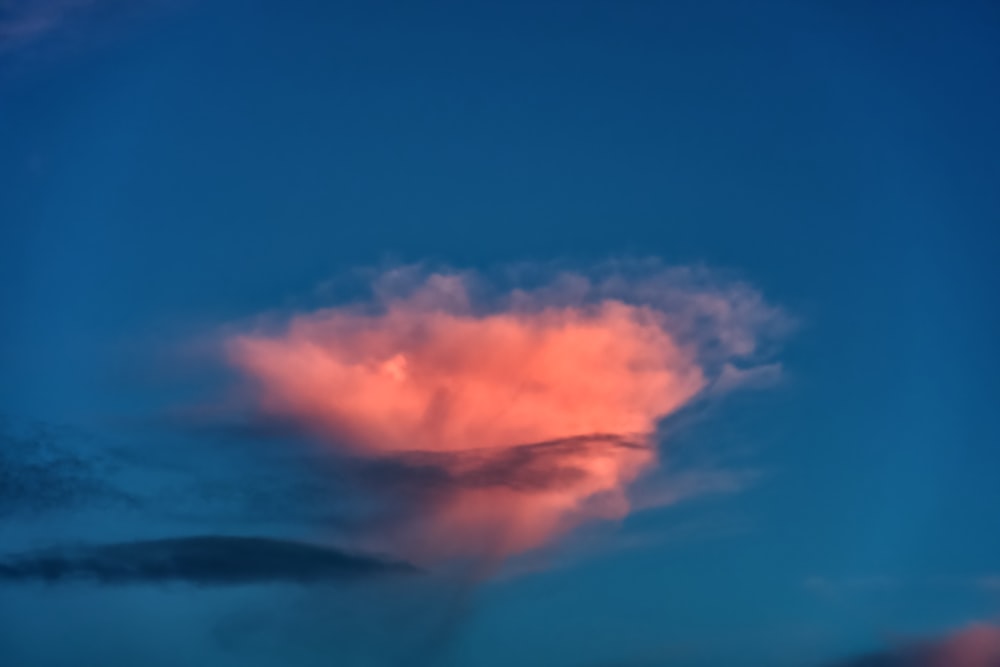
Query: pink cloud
{"x":975,"y":645}
{"x":439,"y":364}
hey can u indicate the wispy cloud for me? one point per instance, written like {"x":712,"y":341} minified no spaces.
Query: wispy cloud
{"x":39,"y":473}
{"x":694,"y":483}
{"x":211,"y":560}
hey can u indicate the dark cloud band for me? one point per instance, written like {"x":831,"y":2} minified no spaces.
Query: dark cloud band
{"x":209,"y":560}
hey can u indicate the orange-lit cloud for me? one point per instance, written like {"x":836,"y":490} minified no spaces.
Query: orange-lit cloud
{"x":562,"y":384}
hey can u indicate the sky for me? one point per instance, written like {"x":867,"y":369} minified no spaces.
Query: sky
{"x":590,"y":334}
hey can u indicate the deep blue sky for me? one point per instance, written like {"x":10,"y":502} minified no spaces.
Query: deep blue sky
{"x":165,"y":171}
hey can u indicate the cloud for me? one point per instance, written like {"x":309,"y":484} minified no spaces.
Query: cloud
{"x":977,"y":645}
{"x":499,"y":500}
{"x":524,"y":408}
{"x":732,"y":377}
{"x":210,"y":560}
{"x":39,"y":474}
{"x":694,"y":483}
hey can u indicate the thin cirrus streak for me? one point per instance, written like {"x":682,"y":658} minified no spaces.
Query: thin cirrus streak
{"x":563,"y":384}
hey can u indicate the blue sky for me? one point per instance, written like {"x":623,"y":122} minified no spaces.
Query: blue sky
{"x":169,"y":170}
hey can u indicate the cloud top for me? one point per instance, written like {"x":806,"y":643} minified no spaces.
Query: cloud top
{"x":415,"y":378}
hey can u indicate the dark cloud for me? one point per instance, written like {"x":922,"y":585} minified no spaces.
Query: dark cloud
{"x":38,"y":473}
{"x":531,"y":467}
{"x":210,"y":560}
{"x":309,"y":483}
{"x":378,"y":502}
{"x":401,"y":490}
